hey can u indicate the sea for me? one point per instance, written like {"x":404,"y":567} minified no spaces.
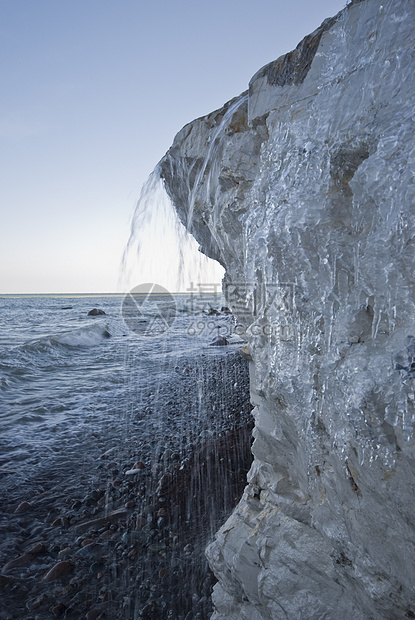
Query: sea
{"x":87,"y":402}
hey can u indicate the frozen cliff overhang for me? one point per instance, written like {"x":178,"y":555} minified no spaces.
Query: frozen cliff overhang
{"x":303,"y":188}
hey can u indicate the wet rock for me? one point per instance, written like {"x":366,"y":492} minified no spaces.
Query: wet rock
{"x":27,"y":557}
{"x":58,"y":610}
{"x":60,"y":570}
{"x":38,"y":601}
{"x":23,"y":507}
{"x":138,"y":465}
{"x":108,"y":452}
{"x":213,"y":312}
{"x":246,"y":353}
{"x":5,"y":581}
{"x":352,"y":467}
{"x":87,"y":541}
{"x":22,"y":560}
{"x":64,"y":553}
{"x":96,"y":567}
{"x":133,"y":471}
{"x":220,"y":341}
{"x":96,"y":312}
{"x":38,"y":548}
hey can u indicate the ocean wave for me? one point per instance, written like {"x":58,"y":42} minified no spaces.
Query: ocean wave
{"x":89,"y":336}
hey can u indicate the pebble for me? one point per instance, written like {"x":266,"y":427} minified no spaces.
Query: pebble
{"x":131,"y":472}
{"x":37,"y":602}
{"x":58,"y":610}
{"x":61,"y":569}
{"x":139,"y":465}
{"x":96,"y":567}
{"x":6,"y":580}
{"x":65,"y":552}
{"x":22,"y":560}
{"x":37,"y":548}
{"x":23,"y":506}
{"x":86,"y":542}
{"x":107,"y":453}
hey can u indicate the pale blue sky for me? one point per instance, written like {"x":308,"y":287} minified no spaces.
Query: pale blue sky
{"x":93,"y":93}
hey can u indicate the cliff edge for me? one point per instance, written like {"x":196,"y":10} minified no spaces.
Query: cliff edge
{"x":303,"y":188}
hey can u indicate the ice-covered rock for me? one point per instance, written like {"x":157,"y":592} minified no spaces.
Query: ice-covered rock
{"x":303,"y":188}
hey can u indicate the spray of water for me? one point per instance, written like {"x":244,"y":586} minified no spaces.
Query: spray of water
{"x":160,"y":249}
{"x":186,"y":413}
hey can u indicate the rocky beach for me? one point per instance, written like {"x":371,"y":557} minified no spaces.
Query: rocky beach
{"x":114,"y":520}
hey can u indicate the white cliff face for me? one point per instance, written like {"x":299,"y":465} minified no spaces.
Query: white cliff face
{"x":307,"y":197}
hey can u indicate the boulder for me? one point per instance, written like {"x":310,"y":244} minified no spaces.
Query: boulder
{"x":96,"y":312}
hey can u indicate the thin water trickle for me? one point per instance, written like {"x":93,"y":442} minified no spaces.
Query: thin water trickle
{"x":211,"y":155}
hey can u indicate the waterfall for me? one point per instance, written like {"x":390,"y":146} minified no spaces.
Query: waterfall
{"x":188,"y":404}
{"x":160,"y":249}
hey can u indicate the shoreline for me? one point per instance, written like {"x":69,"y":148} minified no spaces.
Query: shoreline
{"x":120,"y":533}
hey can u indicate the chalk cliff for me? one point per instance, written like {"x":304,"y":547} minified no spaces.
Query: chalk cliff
{"x":303,"y":188}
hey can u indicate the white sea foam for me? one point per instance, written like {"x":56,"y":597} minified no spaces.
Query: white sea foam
{"x":88,"y":336}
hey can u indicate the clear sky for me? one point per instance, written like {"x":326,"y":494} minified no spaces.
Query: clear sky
{"x":92,"y":95}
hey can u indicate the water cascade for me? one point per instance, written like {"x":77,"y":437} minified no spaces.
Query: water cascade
{"x":192,"y":418}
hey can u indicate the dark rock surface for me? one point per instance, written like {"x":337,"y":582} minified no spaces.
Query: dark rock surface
{"x":96,"y":312}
